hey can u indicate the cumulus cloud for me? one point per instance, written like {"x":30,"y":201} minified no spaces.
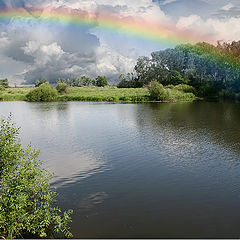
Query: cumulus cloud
{"x":219,"y":29}
{"x":227,"y":7}
{"x":51,"y":51}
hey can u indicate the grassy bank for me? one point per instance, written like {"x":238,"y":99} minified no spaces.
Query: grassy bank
{"x":14,"y":94}
{"x":95,"y":94}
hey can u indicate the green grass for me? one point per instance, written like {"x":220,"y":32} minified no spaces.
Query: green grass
{"x":95,"y":94}
{"x":14,"y":94}
{"x":106,"y":94}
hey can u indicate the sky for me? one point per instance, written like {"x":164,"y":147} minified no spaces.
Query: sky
{"x":31,"y":50}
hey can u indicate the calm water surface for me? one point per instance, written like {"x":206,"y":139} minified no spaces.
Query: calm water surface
{"x":140,"y":170}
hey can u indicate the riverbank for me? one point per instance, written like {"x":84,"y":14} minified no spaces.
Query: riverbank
{"x":99,"y":94}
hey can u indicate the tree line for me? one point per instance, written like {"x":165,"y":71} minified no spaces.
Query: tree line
{"x":99,"y":81}
{"x":211,"y":70}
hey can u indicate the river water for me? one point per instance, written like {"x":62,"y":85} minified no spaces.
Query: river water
{"x":140,"y":170}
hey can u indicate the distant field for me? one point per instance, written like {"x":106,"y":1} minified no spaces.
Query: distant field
{"x":106,"y":94}
{"x":14,"y":94}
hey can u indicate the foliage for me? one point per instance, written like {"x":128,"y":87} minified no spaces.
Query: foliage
{"x":106,"y":94}
{"x":4,"y":83}
{"x":81,"y":81}
{"x":27,"y":205}
{"x":61,"y":87}
{"x":157,"y":91}
{"x":42,"y":81}
{"x":210,"y":69}
{"x":14,"y":94}
{"x":101,"y":81}
{"x":127,"y":82}
{"x":174,"y":77}
{"x":171,"y":93}
{"x":185,"y":88}
{"x":43,"y":93}
{"x":2,"y":88}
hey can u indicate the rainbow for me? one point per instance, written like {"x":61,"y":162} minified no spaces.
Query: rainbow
{"x":164,"y":34}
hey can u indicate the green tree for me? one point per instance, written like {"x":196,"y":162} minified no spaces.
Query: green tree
{"x":86,"y":81}
{"x":27,"y":204}
{"x":62,"y":86}
{"x":101,"y":81}
{"x":4,"y":83}
{"x":175,"y":78}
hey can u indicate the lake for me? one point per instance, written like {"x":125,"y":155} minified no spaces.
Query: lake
{"x":168,"y":170}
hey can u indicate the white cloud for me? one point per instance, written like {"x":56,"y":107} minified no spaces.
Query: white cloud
{"x":110,"y":62}
{"x":165,"y":2}
{"x":227,"y":7}
{"x":64,"y":51}
{"x":212,"y":28}
{"x":185,"y":23}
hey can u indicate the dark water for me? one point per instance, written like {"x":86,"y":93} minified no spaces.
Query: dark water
{"x":140,"y":171}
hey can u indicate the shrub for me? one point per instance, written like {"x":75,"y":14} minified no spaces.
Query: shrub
{"x":185,"y":88}
{"x":157,"y":91}
{"x":61,"y":87}
{"x":27,"y":205}
{"x":170,"y":86}
{"x":2,"y":88}
{"x":44,"y":93}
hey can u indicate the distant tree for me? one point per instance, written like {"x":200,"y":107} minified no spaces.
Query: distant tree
{"x":62,"y":87}
{"x":174,"y":77}
{"x":93,"y":82}
{"x":123,"y":82}
{"x":101,"y":81}
{"x":39,"y":83}
{"x":4,"y":83}
{"x":86,"y":81}
{"x":209,"y":69}
{"x":128,"y":81}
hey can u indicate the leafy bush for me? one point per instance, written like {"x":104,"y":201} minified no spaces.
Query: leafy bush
{"x":27,"y":205}
{"x":2,"y":88}
{"x":157,"y":91}
{"x":185,"y":88}
{"x":61,"y":87}
{"x":44,"y":93}
{"x":170,"y":93}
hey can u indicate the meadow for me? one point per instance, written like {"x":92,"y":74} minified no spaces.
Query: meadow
{"x":98,"y":94}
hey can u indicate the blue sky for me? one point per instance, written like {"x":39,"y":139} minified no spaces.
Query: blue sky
{"x":29,"y":51}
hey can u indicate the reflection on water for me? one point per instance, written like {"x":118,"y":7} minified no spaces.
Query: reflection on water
{"x":79,"y":166}
{"x":140,"y":170}
{"x":51,"y":128}
{"x":91,"y":200}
